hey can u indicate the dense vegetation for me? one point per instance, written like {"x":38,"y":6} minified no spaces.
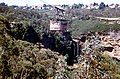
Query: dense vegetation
{"x":19,"y":59}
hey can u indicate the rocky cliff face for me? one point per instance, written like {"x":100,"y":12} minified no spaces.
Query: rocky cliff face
{"x":112,"y":40}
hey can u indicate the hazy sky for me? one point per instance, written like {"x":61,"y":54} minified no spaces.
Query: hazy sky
{"x":40,"y":2}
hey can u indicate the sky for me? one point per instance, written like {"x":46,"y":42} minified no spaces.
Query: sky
{"x":54,"y":2}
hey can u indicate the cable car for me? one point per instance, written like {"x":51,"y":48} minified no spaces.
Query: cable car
{"x":58,"y":25}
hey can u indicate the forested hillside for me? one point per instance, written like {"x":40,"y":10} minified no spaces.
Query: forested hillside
{"x":26,"y":58}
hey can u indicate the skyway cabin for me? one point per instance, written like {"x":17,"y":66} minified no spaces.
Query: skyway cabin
{"x":58,"y":25}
